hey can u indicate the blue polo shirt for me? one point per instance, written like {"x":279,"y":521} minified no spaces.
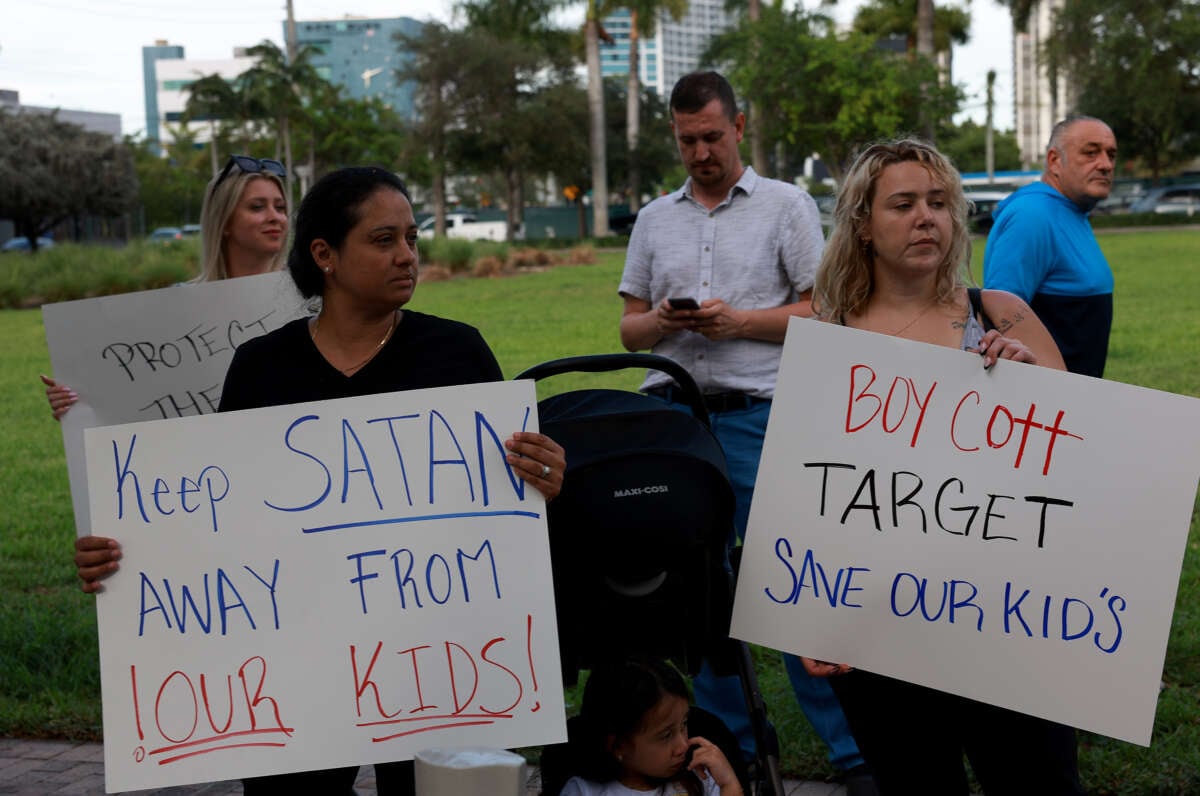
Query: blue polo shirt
{"x":1042,"y":248}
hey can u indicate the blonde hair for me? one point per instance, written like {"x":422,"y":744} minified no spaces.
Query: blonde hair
{"x":844,"y":279}
{"x":220,"y":200}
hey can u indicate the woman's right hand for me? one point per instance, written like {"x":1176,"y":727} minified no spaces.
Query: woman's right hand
{"x":60,"y":396}
{"x":816,"y":668}
{"x":96,"y":558}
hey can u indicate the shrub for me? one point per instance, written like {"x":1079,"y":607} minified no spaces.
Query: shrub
{"x":581,"y":255}
{"x":525,"y":257}
{"x":488,"y":267}
{"x":435,"y":273}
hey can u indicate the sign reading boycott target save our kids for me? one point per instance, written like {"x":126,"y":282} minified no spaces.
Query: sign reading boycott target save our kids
{"x":1012,"y":535}
{"x":321,"y":585}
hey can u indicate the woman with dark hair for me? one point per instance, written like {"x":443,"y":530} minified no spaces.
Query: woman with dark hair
{"x":896,"y":264}
{"x":633,"y":737}
{"x":356,"y":249}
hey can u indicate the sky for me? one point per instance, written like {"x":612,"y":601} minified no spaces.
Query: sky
{"x":87,"y":55}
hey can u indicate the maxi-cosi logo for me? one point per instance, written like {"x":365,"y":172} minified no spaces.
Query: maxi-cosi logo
{"x":640,"y":490}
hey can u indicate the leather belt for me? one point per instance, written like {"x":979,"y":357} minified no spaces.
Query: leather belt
{"x":713,"y":402}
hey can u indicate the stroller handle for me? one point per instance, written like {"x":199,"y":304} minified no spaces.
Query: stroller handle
{"x":602,"y":363}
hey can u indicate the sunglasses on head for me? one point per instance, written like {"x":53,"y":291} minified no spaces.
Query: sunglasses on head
{"x":250,"y":165}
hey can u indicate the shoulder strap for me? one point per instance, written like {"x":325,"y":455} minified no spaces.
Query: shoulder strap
{"x":976,"y":297}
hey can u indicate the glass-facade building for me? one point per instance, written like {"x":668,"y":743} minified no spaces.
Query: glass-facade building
{"x":362,"y":56}
{"x":150,"y":57}
{"x":673,"y":50}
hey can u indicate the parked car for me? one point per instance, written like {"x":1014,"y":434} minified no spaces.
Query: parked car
{"x":190,"y":230}
{"x":166,"y":234}
{"x":22,"y":244}
{"x":980,"y":220}
{"x":468,"y":226}
{"x":1171,"y":199}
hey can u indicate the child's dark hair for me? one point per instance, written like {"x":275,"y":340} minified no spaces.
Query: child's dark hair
{"x":616,"y":699}
{"x":329,"y":211}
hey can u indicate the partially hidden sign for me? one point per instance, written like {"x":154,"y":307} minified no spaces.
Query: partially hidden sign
{"x":321,"y":585}
{"x":1012,"y":535}
{"x":155,"y":354}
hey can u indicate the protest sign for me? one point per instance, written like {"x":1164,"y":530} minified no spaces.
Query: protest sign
{"x":154,"y":354}
{"x":321,"y":585}
{"x":1012,"y":535}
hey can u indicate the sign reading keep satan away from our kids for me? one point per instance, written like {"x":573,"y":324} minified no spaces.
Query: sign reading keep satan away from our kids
{"x":322,"y":585}
{"x":1012,"y":535}
{"x":155,"y":354}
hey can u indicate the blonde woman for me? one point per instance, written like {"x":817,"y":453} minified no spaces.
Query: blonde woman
{"x":243,"y":228}
{"x":896,"y":264}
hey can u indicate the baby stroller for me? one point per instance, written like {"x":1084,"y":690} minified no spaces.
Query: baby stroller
{"x":637,"y":539}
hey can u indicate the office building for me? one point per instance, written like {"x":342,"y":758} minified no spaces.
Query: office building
{"x":1039,"y":100}
{"x":672,"y":51}
{"x":174,"y":77}
{"x":151,"y":55}
{"x":361,"y":56}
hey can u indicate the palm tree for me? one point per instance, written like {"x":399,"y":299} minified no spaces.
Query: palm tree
{"x":212,"y":99}
{"x":927,"y":31}
{"x":643,"y":19}
{"x":280,"y":88}
{"x":592,"y":33}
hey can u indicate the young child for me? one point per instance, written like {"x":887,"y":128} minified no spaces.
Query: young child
{"x":633,"y":737}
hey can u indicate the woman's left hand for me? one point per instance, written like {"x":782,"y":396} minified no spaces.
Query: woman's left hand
{"x":538,"y":460}
{"x":996,"y":346}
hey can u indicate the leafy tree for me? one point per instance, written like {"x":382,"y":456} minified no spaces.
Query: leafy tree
{"x":171,"y":188}
{"x":965,"y":145}
{"x":927,"y":31}
{"x":282,"y":90}
{"x":1021,"y":11}
{"x":512,"y":53}
{"x":825,"y":93}
{"x":645,"y":169}
{"x":51,"y":171}
{"x":349,"y":131}
{"x":433,"y":70}
{"x":951,"y":25}
{"x":1137,"y":67}
{"x":212,"y":99}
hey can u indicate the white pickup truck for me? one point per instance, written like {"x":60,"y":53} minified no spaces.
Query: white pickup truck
{"x":466,"y":225}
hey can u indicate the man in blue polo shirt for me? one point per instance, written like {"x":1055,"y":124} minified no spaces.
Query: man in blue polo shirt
{"x":1042,"y":247}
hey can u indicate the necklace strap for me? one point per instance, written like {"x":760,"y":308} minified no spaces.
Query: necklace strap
{"x":347,"y":371}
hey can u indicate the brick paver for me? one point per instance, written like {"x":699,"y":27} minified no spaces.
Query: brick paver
{"x":58,"y":768}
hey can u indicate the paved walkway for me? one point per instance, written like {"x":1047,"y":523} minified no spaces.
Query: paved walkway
{"x":37,"y":768}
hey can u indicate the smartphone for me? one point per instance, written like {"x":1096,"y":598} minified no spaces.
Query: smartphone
{"x":683,"y":303}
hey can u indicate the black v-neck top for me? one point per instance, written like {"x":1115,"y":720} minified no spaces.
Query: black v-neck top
{"x":285,"y":366}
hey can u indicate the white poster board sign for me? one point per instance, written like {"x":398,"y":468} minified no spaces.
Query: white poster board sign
{"x":322,"y":585}
{"x":1012,"y":535}
{"x":154,"y":354}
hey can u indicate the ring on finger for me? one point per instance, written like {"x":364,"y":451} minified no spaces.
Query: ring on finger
{"x":545,"y":471}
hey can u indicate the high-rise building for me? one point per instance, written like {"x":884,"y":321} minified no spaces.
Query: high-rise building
{"x":1039,"y":100}
{"x":159,"y":51}
{"x":174,"y":78}
{"x":673,"y":50}
{"x":361,"y":56}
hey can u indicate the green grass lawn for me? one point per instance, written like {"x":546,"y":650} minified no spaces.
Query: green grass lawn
{"x":49,"y":674}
